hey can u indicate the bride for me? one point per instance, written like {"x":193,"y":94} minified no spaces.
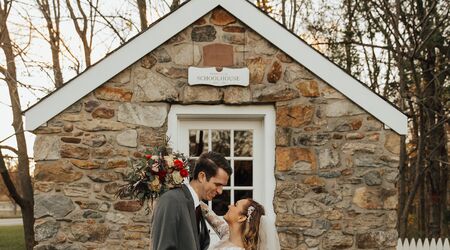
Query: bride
{"x":244,"y":227}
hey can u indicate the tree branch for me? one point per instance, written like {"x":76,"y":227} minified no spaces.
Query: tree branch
{"x":110,"y":25}
{"x":12,"y":149}
{"x":8,"y":182}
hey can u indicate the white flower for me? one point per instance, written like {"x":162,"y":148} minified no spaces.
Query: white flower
{"x":169,"y":160}
{"x":155,"y":185}
{"x":177,"y":178}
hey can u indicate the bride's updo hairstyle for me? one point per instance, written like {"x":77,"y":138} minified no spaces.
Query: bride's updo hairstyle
{"x":250,"y":228}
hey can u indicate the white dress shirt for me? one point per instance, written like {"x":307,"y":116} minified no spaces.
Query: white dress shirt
{"x":194,"y":195}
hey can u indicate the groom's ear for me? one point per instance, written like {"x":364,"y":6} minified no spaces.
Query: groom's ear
{"x":201,"y":177}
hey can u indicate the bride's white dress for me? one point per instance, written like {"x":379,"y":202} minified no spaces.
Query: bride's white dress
{"x":221,"y":228}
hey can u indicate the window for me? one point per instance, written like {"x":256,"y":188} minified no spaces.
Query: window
{"x":240,"y":142}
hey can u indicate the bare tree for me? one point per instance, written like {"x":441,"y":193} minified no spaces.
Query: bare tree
{"x":52,"y":16}
{"x":85,"y":30}
{"x":348,"y":34}
{"x":142,"y":7}
{"x":11,"y":166}
{"x":415,"y":31}
{"x":108,"y":23}
{"x":401,"y":50}
{"x":25,"y":200}
{"x":174,"y":5}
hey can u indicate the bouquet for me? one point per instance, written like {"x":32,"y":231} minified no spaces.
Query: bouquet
{"x":153,"y":174}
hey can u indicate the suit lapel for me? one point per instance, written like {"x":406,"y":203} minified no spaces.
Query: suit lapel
{"x":191,"y":210}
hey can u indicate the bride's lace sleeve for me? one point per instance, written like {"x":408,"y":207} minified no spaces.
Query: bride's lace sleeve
{"x":218,"y":224}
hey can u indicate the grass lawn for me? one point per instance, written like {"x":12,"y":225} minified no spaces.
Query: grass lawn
{"x":11,"y":238}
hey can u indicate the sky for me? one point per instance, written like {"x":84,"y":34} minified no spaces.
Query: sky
{"x":39,"y":76}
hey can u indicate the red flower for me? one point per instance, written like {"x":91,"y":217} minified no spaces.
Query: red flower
{"x":178,"y":164}
{"x":162,"y":175}
{"x":148,"y":156}
{"x":184,"y":173}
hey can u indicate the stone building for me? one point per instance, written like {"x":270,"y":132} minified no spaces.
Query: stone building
{"x":307,"y":140}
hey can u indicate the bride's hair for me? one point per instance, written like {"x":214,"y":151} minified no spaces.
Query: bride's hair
{"x":250,"y":229}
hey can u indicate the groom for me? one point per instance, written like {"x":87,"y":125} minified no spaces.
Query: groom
{"x":177,"y":220}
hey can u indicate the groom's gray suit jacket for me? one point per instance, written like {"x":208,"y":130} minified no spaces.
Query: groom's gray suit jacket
{"x":174,"y":222}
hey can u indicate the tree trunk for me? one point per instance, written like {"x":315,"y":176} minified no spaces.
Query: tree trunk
{"x":348,"y":35}
{"x":401,"y":228}
{"x":444,"y":185}
{"x":54,"y":36}
{"x":28,"y":222}
{"x":423,"y":225}
{"x":403,"y":168}
{"x":174,"y":5}
{"x":82,"y":32}
{"x":13,"y":193}
{"x":142,"y":7}
{"x":27,"y":200}
{"x":430,"y":107}
{"x":444,"y":121}
{"x":404,"y":205}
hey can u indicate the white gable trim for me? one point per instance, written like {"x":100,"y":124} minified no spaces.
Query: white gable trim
{"x":180,"y":19}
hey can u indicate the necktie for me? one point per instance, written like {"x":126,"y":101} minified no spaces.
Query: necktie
{"x":198,"y":216}
{"x":202,"y":230}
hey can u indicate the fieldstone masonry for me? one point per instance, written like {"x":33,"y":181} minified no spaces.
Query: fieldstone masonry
{"x":336,"y":166}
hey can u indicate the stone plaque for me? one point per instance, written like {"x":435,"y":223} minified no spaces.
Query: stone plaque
{"x":218,"y":76}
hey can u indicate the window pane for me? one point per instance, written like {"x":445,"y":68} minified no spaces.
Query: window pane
{"x":242,"y":194}
{"x":243,"y":143}
{"x":243,"y":173}
{"x":220,"y":140}
{"x":198,"y":142}
{"x":220,"y":203}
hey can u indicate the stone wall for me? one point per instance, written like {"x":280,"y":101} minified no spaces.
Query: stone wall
{"x":336,"y":166}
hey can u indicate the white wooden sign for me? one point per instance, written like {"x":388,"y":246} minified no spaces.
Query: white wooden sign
{"x":218,"y":76}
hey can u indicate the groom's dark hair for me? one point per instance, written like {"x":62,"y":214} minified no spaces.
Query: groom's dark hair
{"x":209,"y":163}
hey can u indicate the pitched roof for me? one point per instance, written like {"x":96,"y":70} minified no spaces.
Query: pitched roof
{"x":184,"y":16}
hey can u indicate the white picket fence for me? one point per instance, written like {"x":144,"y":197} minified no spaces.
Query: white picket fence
{"x":425,"y":245}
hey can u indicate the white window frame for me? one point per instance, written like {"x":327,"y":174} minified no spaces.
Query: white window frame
{"x":209,"y":125}
{"x":265,"y":113}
